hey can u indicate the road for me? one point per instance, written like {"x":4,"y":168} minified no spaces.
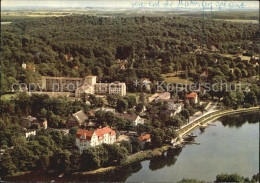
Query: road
{"x":211,"y":107}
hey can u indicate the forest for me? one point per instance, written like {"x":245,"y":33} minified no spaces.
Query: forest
{"x":80,"y":45}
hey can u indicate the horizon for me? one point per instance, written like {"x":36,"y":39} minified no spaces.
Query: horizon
{"x":179,"y":4}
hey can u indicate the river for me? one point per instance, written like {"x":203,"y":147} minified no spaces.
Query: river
{"x":229,"y":145}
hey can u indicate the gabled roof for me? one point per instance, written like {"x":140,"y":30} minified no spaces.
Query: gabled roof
{"x":80,"y":116}
{"x":144,"y":137}
{"x":131,"y":117}
{"x":86,"y":133}
{"x":164,"y":95}
{"x":191,"y":95}
{"x":99,"y":132}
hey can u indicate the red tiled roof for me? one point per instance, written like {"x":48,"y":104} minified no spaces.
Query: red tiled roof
{"x":191,"y":95}
{"x":102,"y":131}
{"x":99,"y":132}
{"x":144,"y":137}
{"x":30,"y":67}
{"x":86,"y":133}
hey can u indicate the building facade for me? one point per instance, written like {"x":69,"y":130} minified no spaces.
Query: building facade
{"x":60,"y":84}
{"x":86,"y":138}
{"x":81,"y":86}
{"x":77,"y":119}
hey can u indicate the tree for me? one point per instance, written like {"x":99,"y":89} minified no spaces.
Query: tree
{"x":237,"y":73}
{"x":251,"y":98}
{"x":175,"y":121}
{"x":23,"y":158}
{"x":35,"y":126}
{"x":157,"y":137}
{"x":89,"y":159}
{"x":112,"y":99}
{"x":61,"y":161}
{"x":7,"y":167}
{"x":73,"y":130}
{"x":122,"y":105}
{"x":139,"y":107}
{"x":142,"y":98}
{"x":136,"y":144}
{"x":185,"y":113}
{"x":202,"y":108}
{"x":229,"y":178}
{"x":56,"y":137}
{"x":126,"y":145}
{"x":131,"y":100}
{"x":230,"y":99}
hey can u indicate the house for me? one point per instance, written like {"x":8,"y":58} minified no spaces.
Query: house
{"x":122,"y":64}
{"x":213,"y":49}
{"x":87,"y":138}
{"x":146,"y":83}
{"x":29,"y":133}
{"x":205,"y":74}
{"x":28,"y":66}
{"x":28,"y":121}
{"x":239,"y":55}
{"x":91,"y":114}
{"x":84,"y":89}
{"x":167,"y":113}
{"x":135,"y":119}
{"x":43,"y":123}
{"x":159,"y":96}
{"x":145,"y":138}
{"x":106,"y":109}
{"x":177,"y":108}
{"x":77,"y":119}
{"x":152,"y":98}
{"x":68,"y":57}
{"x":91,"y":125}
{"x":192,"y":96}
{"x":163,"y":96}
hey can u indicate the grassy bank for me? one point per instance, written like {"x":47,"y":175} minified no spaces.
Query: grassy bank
{"x":134,"y":158}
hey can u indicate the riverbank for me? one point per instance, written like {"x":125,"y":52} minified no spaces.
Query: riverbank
{"x":134,"y":158}
{"x":211,"y":117}
{"x":149,"y":154}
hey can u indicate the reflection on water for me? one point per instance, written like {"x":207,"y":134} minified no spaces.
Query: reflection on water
{"x":228,"y":138}
{"x":167,"y":159}
{"x":237,"y":120}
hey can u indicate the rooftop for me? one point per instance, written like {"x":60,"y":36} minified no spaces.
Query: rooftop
{"x":191,"y":95}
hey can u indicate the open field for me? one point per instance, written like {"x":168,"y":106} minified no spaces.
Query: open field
{"x":7,"y":96}
{"x":172,"y":78}
{"x":239,"y":20}
{"x":247,"y":58}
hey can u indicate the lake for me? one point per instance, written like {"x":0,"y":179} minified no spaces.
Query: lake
{"x":229,"y":145}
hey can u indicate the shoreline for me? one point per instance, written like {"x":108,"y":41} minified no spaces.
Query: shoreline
{"x":148,"y":154}
{"x":152,"y":153}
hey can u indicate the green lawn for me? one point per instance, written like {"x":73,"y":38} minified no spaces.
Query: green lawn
{"x":172,"y":78}
{"x":240,"y":21}
{"x":7,"y":96}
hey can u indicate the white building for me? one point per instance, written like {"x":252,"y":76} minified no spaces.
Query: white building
{"x":85,"y":89}
{"x":106,"y":109}
{"x":86,"y":138}
{"x":135,"y":119}
{"x":91,"y":86}
{"x":29,"y":133}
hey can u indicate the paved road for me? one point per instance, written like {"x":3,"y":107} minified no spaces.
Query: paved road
{"x":211,"y":107}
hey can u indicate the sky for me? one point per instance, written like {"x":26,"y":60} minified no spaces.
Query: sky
{"x":129,"y":4}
